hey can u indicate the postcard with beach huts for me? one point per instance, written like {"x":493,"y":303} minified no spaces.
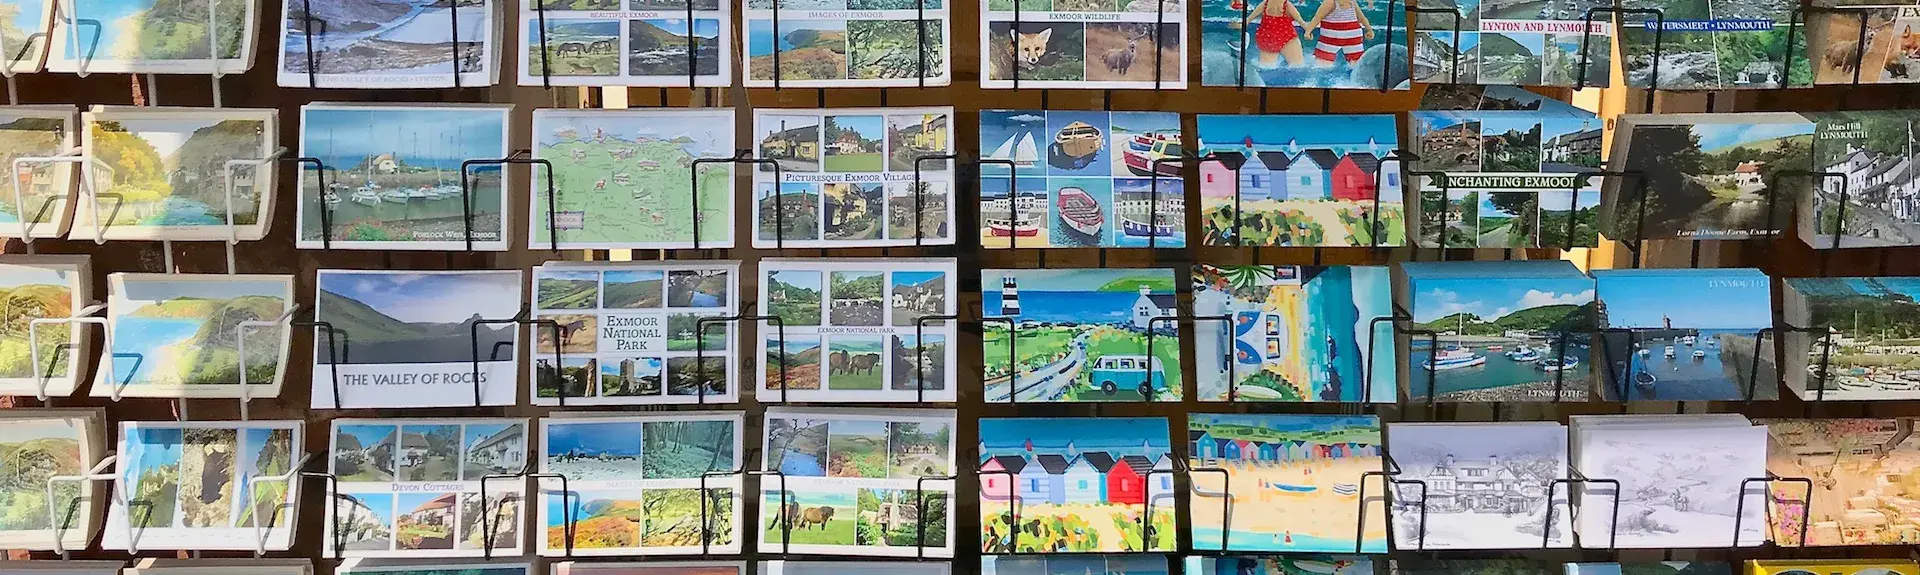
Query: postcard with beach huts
{"x":624,"y":179}
{"x":413,"y":336}
{"x":1706,"y":176}
{"x":1285,"y":483}
{"x":859,"y":482}
{"x":48,"y":191}
{"x":1289,"y":564}
{"x":1076,"y":485}
{"x":1875,"y":150}
{"x":1108,"y":179}
{"x":1692,"y":334}
{"x":42,"y":287}
{"x":1101,"y":44}
{"x":412,"y":487}
{"x":635,"y":484}
{"x":1487,"y":486}
{"x":853,"y":330}
{"x":1682,"y":481}
{"x":1506,"y":179}
{"x":846,"y":43}
{"x":1859,"y":469}
{"x":1080,"y":335}
{"x":39,"y":444}
{"x":152,"y":37}
{"x":1075,"y":564}
{"x":196,"y":174}
{"x":396,"y":177}
{"x":1306,"y":44}
{"x":180,"y":335}
{"x":1340,"y":187}
{"x":1294,"y":334}
{"x":373,"y":44}
{"x":632,"y":333}
{"x":188,"y":485}
{"x":853,"y":177}
{"x":1870,"y":350}
{"x":1497,"y":330}
{"x":664,"y":43}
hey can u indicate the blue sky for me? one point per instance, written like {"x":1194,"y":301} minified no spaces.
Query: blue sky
{"x":998,"y":126}
{"x":445,"y":137}
{"x":1499,"y":124}
{"x":1716,"y":136}
{"x":706,"y":129}
{"x":1493,"y":299}
{"x":1065,"y":280}
{"x":1006,"y":435}
{"x":367,"y":434}
{"x":556,"y":504}
{"x":702,"y":27}
{"x":646,"y":366}
{"x":857,"y":427}
{"x":1536,"y":43}
{"x":1307,"y":130}
{"x":1138,"y":122}
{"x":1435,"y":120}
{"x":1551,"y":127}
{"x":165,"y":289}
{"x":760,"y":33}
{"x":630,"y":276}
{"x":1281,"y":422}
{"x":429,"y":297}
{"x":869,"y":127}
{"x":154,"y":447}
{"x":1488,"y":209}
{"x":15,"y":276}
{"x":913,"y":278}
{"x":621,"y":438}
{"x":1557,"y":200}
{"x":1692,"y":300}
{"x":381,"y":504}
{"x":795,"y":344}
{"x":800,"y":278}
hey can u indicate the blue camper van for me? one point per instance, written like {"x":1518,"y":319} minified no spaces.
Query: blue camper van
{"x":1111,"y":373}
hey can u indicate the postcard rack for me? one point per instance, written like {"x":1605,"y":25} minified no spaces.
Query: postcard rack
{"x":1576,"y":478}
{"x":90,"y":315}
{"x":522,"y":319}
{"x":1824,"y":369}
{"x":1767,"y":482}
{"x":490,"y":522}
{"x":456,"y":65}
{"x":96,"y":474}
{"x":920,"y":186}
{"x":499,"y":164}
{"x":700,"y":348}
{"x":290,"y":477}
{"x":742,"y":156}
{"x":1187,"y":317}
{"x":1390,"y":482}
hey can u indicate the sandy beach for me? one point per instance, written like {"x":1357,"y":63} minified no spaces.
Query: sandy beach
{"x":1320,"y":518}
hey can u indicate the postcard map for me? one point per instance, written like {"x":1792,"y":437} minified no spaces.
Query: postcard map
{"x":169,"y":167}
{"x":41,"y":444}
{"x":151,"y":36}
{"x":862,"y":319}
{"x":1858,"y":497}
{"x":1084,"y":44}
{"x":1875,"y":150}
{"x":625,"y":179}
{"x":1708,"y":177}
{"x":1693,"y":336}
{"x":1291,"y":564}
{"x":393,"y":177}
{"x":1343,"y":190}
{"x":1508,"y":179}
{"x":411,"y":487}
{"x":630,"y":333}
{"x":1295,"y":333}
{"x":1531,"y":43}
{"x":626,"y":43}
{"x":859,"y":482}
{"x":1308,"y":44}
{"x":1075,"y":484}
{"x":1681,"y":480}
{"x":847,"y":177}
{"x":1835,"y":46}
{"x":1487,"y":486}
{"x":634,"y":484}
{"x":46,"y":192}
{"x":187,"y":485}
{"x":1081,"y":335}
{"x":1504,"y":331}
{"x":179,"y":335}
{"x":413,"y":336}
{"x":41,"y":287}
{"x":653,"y":568}
{"x":491,"y":568}
{"x":389,"y":44}
{"x":1871,"y":352}
{"x":1096,"y":188}
{"x":23,"y":34}
{"x":1714,"y":45}
{"x":1292,"y":482}
{"x":847,"y":43}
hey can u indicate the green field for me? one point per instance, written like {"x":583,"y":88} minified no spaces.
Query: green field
{"x":855,"y":163}
{"x":839,"y":531}
{"x":1037,"y":346}
{"x":1117,"y":342}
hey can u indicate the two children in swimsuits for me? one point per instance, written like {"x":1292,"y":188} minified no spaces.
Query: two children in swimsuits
{"x":1342,"y":26}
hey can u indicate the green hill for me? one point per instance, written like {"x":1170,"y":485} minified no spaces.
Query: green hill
{"x":646,"y":37}
{"x":1561,"y":317}
{"x":1132,"y":284}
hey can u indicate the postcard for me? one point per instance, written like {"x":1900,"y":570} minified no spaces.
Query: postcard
{"x":1340,"y":188}
{"x":1081,"y":335}
{"x":248,"y":566}
{"x":1075,"y":484}
{"x":1488,"y":486}
{"x":853,"y":568}
{"x":1875,"y":151}
{"x":1705,"y":176}
{"x":1835,"y":41}
{"x":191,"y":485}
{"x":889,"y":473}
{"x":153,"y":37}
{"x":1682,"y":481}
{"x":40,"y":444}
{"x":1103,"y":183}
{"x":853,"y":177}
{"x":43,"y":191}
{"x":1075,"y":564}
{"x":24,"y":34}
{"x":417,"y":337}
{"x":847,"y":43}
{"x":1498,"y":330}
{"x":395,"y":178}
{"x":1714,"y":45}
{"x":1651,"y":568}
{"x":1294,"y":334}
{"x":179,"y":335}
{"x":624,"y":179}
{"x":852,"y":313}
{"x":1473,"y":567}
{"x":412,"y":487}
{"x":402,"y":567}
{"x":1856,"y":466}
{"x":636,"y":484}
{"x":1127,"y":44}
{"x":195,"y":174}
{"x":630,"y":333}
{"x":1870,"y":350}
{"x":68,"y":567}
{"x":652,"y":568}
{"x":1526,"y":44}
{"x":1693,"y":335}
{"x":1289,"y":564}
{"x":1836,"y":566}
{"x":1291,"y":483}
{"x":1506,"y":179}
{"x":389,"y":44}
{"x":1344,"y":44}
{"x":626,"y":43}
{"x":42,"y":287}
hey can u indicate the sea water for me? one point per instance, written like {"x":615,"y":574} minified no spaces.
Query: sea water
{"x":1684,"y":378}
{"x":141,"y":339}
{"x":1209,"y":538}
{"x":1497,"y":372}
{"x":1220,"y":55}
{"x":1080,"y":307}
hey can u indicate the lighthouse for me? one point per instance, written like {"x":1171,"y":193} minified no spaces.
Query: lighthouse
{"x":1009,"y":296}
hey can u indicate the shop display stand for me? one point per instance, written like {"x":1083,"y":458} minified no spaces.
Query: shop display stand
{"x":728,"y":324}
{"x":522,"y":157}
{"x":528,"y":476}
{"x":523,"y":319}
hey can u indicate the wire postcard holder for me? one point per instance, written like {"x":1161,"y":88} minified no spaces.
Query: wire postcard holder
{"x":1443,"y":187}
{"x":517,"y":157}
{"x":524,"y":318}
{"x":1823,"y":371}
{"x":1376,"y":233}
{"x":1659,"y":38}
{"x":97,"y":474}
{"x":742,"y":156}
{"x":1390,"y":483}
{"x":291,"y":479}
{"x":89,"y":191}
{"x":726,"y":322}
{"x":920,"y":187}
{"x":240,"y":331}
{"x":1386,"y":72}
{"x":1767,"y":482}
{"x":1147,"y":389}
{"x":91,"y":315}
{"x":1575,"y":479}
{"x":490,"y":522}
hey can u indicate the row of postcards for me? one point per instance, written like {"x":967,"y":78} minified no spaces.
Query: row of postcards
{"x":1000,"y":565}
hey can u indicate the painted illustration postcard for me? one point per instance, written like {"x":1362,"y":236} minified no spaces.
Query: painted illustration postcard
{"x":1080,"y":335}
{"x":413,"y":336}
{"x":635,"y":487}
{"x":493,"y":567}
{"x":1499,"y":331}
{"x":1341,"y":187}
{"x":1713,"y":44}
{"x":24,"y":34}
{"x":1290,"y":564}
{"x":180,"y":335}
{"x":1841,"y":52}
{"x":1075,"y":564}
{"x":1651,"y":568}
{"x":1506,"y":179}
{"x":1306,"y":44}
{"x":630,"y":333}
{"x":1707,"y":176}
{"x":652,"y":568}
{"x":153,"y":37}
{"x":847,"y":43}
{"x":1294,"y":333}
{"x":1291,"y":483}
{"x":40,"y":444}
{"x":626,"y":43}
{"x":389,"y":44}
{"x":853,"y":568}
{"x":1682,"y":481}
{"x":1487,"y":486}
{"x":1881,"y":191}
{"x":411,"y":487}
{"x":210,"y":566}
{"x":1535,"y":43}
{"x":1844,"y":566}
{"x":624,"y":179}
{"x":1103,"y":44}
{"x":43,"y":192}
{"x":1103,"y":182}
{"x":395,"y":181}
{"x":1473,"y":567}
{"x":1693,"y":334}
{"x":42,"y":287}
{"x":867,"y":320}
{"x":853,"y":177}
{"x":1075,"y":484}
{"x":1870,"y":352}
{"x":178,"y":173}
{"x":1857,"y":466}
{"x":885,"y":475}
{"x":190,"y":485}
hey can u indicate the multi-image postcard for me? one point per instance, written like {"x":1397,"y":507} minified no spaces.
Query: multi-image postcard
{"x":1073,"y":347}
{"x":389,"y":44}
{"x":853,"y":177}
{"x":1693,"y":334}
{"x":416,"y":338}
{"x":1869,"y":351}
{"x":1835,"y":38}
{"x":1875,"y":151}
{"x":1860,"y":466}
{"x":195,"y":174}
{"x":1103,"y":44}
{"x":198,"y":485}
{"x":1102,"y":184}
{"x":1487,"y":486}
{"x":1286,"y":483}
{"x":181,"y":335}
{"x":432,"y":567}
{"x":886,"y":476}
{"x":1706,"y":176}
{"x":1294,"y":334}
{"x":152,"y":37}
{"x":665,"y":484}
{"x":41,"y":444}
{"x":652,"y":568}
{"x":42,"y":287}
{"x":631,"y":333}
{"x":855,"y":330}
{"x":396,"y":177}
{"x":1075,"y":485}
{"x":665,"y":43}
{"x":847,"y":43}
{"x":1713,"y":44}
{"x":851,"y":568}
{"x":1305,"y":44}
{"x":624,"y":179}
{"x":45,"y":191}
{"x":1505,"y":179}
{"x":1521,"y":43}
{"x":1340,"y":188}
{"x":413,"y":487}
{"x":1079,"y":564}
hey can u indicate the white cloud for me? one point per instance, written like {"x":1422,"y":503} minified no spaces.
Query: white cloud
{"x":1537,"y":298}
{"x":1440,"y":303}
{"x":1025,"y":118}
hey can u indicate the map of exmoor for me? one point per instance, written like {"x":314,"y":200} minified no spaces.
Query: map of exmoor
{"x":611,"y":190}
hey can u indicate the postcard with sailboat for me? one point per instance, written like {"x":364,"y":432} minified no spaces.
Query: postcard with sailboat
{"x":1693,"y":334}
{"x":1868,"y":352}
{"x":1294,"y":333}
{"x":1107,"y":179}
{"x":396,"y":177}
{"x":1497,"y":330}
{"x":853,"y":177}
{"x":1304,"y":181}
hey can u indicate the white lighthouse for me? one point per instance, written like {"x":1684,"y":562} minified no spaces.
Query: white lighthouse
{"x":1009,"y":296}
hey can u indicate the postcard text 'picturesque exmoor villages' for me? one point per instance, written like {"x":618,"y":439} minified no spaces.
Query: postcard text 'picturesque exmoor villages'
{"x":638,"y":484}
{"x":188,"y":486}
{"x":1080,"y":335}
{"x":1307,"y":181}
{"x":1294,"y":333}
{"x":859,"y":482}
{"x":1075,"y":484}
{"x":412,"y":488}
{"x":852,"y":177}
{"x":1291,"y":483}
{"x":625,"y":43}
{"x":851,"y":330}
{"x":396,"y":179}
{"x":624,"y":179}
{"x":632,"y":334}
{"x":413,"y":336}
{"x":1109,"y":179}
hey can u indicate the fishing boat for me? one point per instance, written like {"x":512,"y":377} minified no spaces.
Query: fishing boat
{"x":1563,"y":363}
{"x":1644,"y":380}
{"x":1000,"y":228}
{"x":1075,"y":146}
{"x":1141,"y":161}
{"x":1669,"y":353}
{"x":1454,"y":358}
{"x":396,"y":196}
{"x":367,"y":195}
{"x":1687,"y":340}
{"x":1645,"y":352}
{"x":1699,"y":354}
{"x":1020,"y":149}
{"x":1017,"y":216}
{"x":1346,"y":488}
{"x":1523,"y":354}
{"x":332,"y":198}
{"x":1080,"y":211}
{"x":1289,"y":489}
{"x":1909,"y":375}
{"x":1133,"y":223}
{"x":1713,"y":342}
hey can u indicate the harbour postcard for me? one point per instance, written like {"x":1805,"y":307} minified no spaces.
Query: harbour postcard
{"x":1692,"y":333}
{"x":397,"y":179}
{"x":1869,"y":351}
{"x":1497,"y":330}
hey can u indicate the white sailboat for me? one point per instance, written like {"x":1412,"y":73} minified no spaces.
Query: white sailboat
{"x":1020,"y":149}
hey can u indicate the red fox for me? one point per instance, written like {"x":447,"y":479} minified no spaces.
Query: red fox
{"x":1029,"y":48}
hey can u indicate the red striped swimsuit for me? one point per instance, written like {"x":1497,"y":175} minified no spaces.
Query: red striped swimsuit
{"x":1340,"y":33}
